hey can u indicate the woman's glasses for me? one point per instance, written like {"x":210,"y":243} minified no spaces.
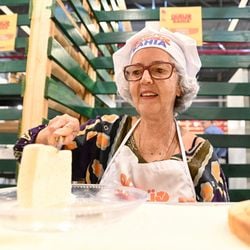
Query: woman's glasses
{"x":157,"y":71}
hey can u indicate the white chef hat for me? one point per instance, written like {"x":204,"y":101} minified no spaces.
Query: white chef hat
{"x":182,"y":49}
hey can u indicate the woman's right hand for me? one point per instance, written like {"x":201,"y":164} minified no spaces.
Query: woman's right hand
{"x":61,"y":130}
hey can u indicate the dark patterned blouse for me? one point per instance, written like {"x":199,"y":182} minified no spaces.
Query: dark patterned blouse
{"x":99,"y":138}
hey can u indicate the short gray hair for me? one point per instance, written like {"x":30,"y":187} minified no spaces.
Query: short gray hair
{"x":189,"y":89}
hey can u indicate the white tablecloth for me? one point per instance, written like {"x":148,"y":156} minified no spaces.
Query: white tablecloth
{"x":150,"y":226}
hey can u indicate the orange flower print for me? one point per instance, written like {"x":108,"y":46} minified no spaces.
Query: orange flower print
{"x":160,"y":196}
{"x":97,"y":168}
{"x":110,"y":118}
{"x":207,"y":191}
{"x":125,"y":181}
{"x":215,"y":171}
{"x":102,"y":141}
{"x":71,"y":146}
{"x":90,"y":135}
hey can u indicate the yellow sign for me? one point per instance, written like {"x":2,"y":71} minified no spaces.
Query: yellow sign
{"x":186,"y":20}
{"x":8,"y":24}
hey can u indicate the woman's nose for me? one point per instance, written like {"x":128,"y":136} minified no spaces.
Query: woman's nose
{"x":146,"y":78}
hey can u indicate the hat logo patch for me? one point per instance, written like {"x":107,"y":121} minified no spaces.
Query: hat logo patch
{"x":151,"y":42}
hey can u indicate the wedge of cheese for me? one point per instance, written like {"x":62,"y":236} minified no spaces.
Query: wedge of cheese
{"x":239,"y":220}
{"x":44,"y":178}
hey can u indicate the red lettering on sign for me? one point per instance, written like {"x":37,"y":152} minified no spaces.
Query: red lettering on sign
{"x":181,"y":18}
{"x":4,"y":25}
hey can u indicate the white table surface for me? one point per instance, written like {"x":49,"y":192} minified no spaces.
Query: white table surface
{"x":150,"y":226}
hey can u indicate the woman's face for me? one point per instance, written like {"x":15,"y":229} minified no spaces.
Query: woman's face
{"x":150,"y":96}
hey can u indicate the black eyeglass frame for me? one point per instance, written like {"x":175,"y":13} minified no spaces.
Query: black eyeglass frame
{"x":148,"y":68}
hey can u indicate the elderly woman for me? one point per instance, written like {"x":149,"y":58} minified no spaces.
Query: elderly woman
{"x":156,"y":72}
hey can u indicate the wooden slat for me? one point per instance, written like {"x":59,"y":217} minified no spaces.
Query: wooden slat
{"x":14,"y":3}
{"x":9,"y":126}
{"x":104,"y":88}
{"x":232,"y":141}
{"x":60,"y":55}
{"x":226,"y":36}
{"x":10,"y":114}
{"x":208,"y":36}
{"x":10,"y":90}
{"x":62,"y":94}
{"x":59,"y":109}
{"x":225,"y":13}
{"x":206,"y":88}
{"x":236,"y":170}
{"x":83,"y":15}
{"x":23,"y":19}
{"x":13,"y":66}
{"x":211,"y":61}
{"x":225,"y":61}
{"x":68,"y":26}
{"x":224,"y":89}
{"x":215,"y":113}
{"x":193,"y":113}
{"x":239,"y":194}
{"x":154,"y":14}
{"x":7,"y":165}
{"x":21,"y":42}
{"x":35,"y":106}
{"x":8,"y":138}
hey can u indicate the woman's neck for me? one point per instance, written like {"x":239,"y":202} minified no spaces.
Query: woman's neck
{"x":155,"y":138}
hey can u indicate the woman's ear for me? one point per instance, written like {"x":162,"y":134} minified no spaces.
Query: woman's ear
{"x":178,"y":90}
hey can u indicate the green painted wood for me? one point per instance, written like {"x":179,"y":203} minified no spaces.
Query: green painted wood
{"x":225,"y":61}
{"x":236,"y":170}
{"x":8,"y":138}
{"x":21,"y":42}
{"x":23,"y":19}
{"x":59,"y":92}
{"x":61,"y":56}
{"x":87,"y":22}
{"x":239,"y":194}
{"x":76,"y":38}
{"x":225,"y":13}
{"x":226,"y":36}
{"x":6,"y":185}
{"x":112,"y":37}
{"x":13,"y":66}
{"x":88,"y":54}
{"x":224,"y":89}
{"x":208,"y":36}
{"x":206,"y":88}
{"x":14,"y":2}
{"x":67,"y":27}
{"x":193,"y":113}
{"x":51,"y":114}
{"x":10,"y":114}
{"x":231,"y":141}
{"x":211,"y":61}
{"x":154,"y":14}
{"x":9,"y":90}
{"x":104,"y":88}
{"x":102,"y":62}
{"x":8,"y":165}
{"x":215,"y":113}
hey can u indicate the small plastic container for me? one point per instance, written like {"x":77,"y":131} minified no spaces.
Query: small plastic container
{"x":89,"y":205}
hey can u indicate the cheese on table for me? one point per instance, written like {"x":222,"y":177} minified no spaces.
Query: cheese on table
{"x":44,"y":177}
{"x":239,"y":220}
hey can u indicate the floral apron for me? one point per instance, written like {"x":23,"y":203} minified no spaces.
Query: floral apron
{"x":165,"y":180}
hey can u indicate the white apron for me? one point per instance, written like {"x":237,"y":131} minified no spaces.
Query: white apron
{"x":165,"y":180}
